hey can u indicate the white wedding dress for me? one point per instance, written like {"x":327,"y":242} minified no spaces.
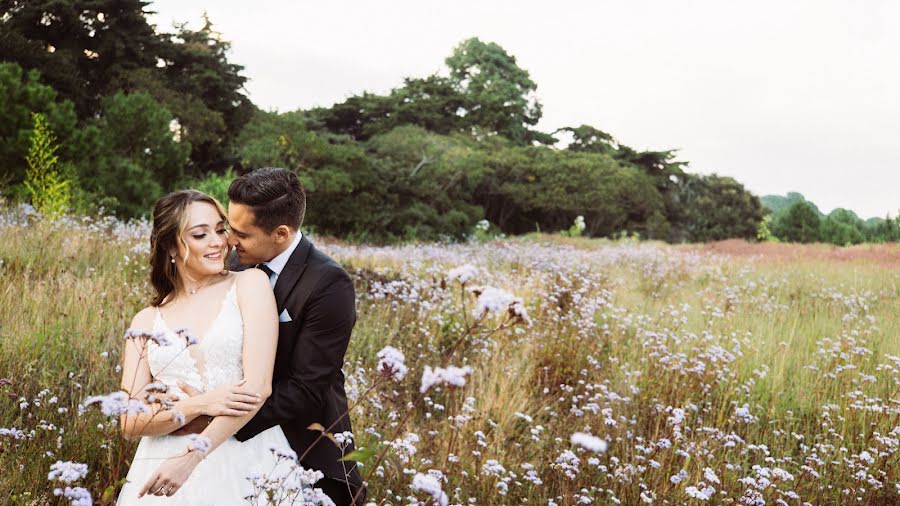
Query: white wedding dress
{"x":221,"y":478}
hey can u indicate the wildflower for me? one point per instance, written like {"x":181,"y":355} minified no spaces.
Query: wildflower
{"x":743,"y":414}
{"x":159,"y":337}
{"x":592,"y":443}
{"x":344,"y":438}
{"x":454,"y":376}
{"x":67,"y":472}
{"x":492,"y":300}
{"x":866,"y":457}
{"x":156,"y":386}
{"x":430,"y":485}
{"x":77,"y":496}
{"x":117,"y":403}
{"x":701,"y":494}
{"x":678,"y":478}
{"x":710,"y":475}
{"x":285,"y":453}
{"x":518,"y":312}
{"x":199,"y":443}
{"x":568,"y":462}
{"x":12,"y":431}
{"x":391,"y":364}
{"x":463,"y":274}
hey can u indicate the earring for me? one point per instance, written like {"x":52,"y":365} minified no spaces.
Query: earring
{"x":173,"y":260}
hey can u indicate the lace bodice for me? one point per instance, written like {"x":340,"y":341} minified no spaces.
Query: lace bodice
{"x":214,"y":361}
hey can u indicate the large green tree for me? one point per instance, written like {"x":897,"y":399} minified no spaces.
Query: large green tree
{"x":500,"y":93}
{"x":140,"y":157}
{"x":798,"y":223}
{"x":842,"y":227}
{"x":81,"y":47}
{"x":716,"y":208}
{"x":91,"y":49}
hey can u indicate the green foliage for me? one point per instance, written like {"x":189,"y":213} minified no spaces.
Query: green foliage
{"x":139,"y":112}
{"x":528,"y":185}
{"x":764,"y":232}
{"x":500,"y":91}
{"x":716,"y":208}
{"x":101,"y":47}
{"x":799,"y":223}
{"x":139,"y":157}
{"x":576,"y":229}
{"x":213,"y":184}
{"x":778,"y":203}
{"x":50,"y":193}
{"x":842,"y":227}
{"x":21,"y":94}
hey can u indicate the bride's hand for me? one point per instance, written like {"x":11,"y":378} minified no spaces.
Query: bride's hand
{"x":171,"y":474}
{"x":225,"y":400}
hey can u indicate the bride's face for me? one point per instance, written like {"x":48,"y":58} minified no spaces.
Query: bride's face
{"x":206,"y":239}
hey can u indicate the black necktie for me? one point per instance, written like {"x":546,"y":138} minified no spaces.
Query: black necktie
{"x":265,"y":268}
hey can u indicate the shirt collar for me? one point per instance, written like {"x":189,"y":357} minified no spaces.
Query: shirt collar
{"x":277,"y":264}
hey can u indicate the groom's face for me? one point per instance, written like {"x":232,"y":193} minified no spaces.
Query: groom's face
{"x":252,"y":244}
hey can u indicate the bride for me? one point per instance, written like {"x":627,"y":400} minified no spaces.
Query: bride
{"x":214,"y":331}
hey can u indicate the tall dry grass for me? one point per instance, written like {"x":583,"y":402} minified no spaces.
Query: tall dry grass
{"x":714,"y":377}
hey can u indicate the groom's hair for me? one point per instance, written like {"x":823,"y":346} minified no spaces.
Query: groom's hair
{"x":275,"y":195}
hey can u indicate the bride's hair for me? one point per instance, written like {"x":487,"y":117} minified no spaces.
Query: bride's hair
{"x":169,"y":222}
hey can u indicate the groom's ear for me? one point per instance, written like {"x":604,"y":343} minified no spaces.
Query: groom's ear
{"x":281,"y":233}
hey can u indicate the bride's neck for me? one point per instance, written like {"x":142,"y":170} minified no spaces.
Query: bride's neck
{"x":191,"y":284}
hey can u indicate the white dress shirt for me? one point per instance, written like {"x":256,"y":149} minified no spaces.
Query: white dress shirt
{"x":277,"y":264}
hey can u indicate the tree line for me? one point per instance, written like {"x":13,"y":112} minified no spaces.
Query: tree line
{"x":136,"y":112}
{"x":792,"y":218}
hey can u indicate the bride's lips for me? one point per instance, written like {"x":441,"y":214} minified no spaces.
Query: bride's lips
{"x":214,"y":256}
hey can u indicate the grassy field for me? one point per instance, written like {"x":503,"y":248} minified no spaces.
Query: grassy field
{"x":719,"y":374}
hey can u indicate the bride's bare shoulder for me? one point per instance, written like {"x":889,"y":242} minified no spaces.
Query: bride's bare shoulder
{"x":253,"y":281}
{"x":143,"y":320}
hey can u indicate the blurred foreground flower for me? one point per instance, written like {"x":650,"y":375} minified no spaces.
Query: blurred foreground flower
{"x":592,"y":443}
{"x":463,"y":274}
{"x":495,"y":300}
{"x":117,"y":403}
{"x":454,"y":376}
{"x":200,"y":443}
{"x":430,"y":485}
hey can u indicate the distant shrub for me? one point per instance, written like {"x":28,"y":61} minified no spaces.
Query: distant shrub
{"x":50,"y":193}
{"x":213,"y":184}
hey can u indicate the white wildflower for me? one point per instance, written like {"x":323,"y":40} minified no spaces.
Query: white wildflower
{"x":67,"y":472}
{"x":430,"y":485}
{"x":463,"y":274}
{"x":390,"y":363}
{"x":592,"y":443}
{"x":454,"y":376}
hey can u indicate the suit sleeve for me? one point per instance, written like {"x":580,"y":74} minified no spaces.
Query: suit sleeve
{"x":318,"y":356}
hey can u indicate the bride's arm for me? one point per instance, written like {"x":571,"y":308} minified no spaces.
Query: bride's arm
{"x":135,"y":376}
{"x":257,"y":306}
{"x":229,"y":400}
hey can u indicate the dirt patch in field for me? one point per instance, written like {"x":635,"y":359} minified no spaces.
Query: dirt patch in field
{"x":887,"y":255}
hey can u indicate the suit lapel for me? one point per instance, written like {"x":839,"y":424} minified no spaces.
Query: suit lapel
{"x":292,"y":271}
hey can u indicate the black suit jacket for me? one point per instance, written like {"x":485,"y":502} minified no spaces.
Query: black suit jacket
{"x":307,"y":383}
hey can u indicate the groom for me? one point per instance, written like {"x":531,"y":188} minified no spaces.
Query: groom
{"x":317,"y":311}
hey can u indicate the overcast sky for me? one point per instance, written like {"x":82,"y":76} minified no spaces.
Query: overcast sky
{"x":783,"y":96}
